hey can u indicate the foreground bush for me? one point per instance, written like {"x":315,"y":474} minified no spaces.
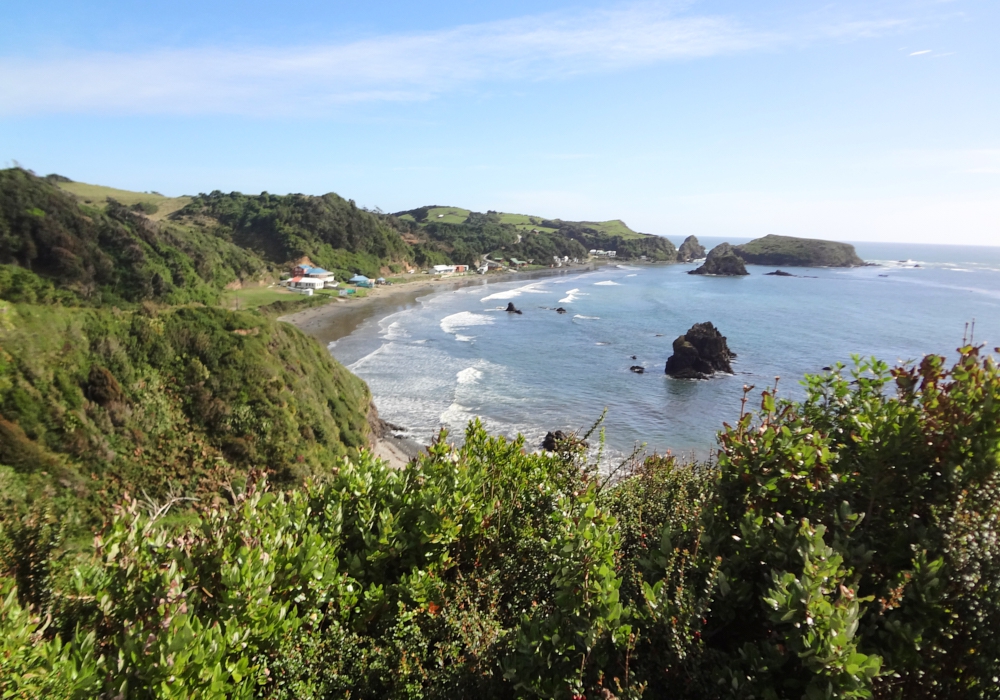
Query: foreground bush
{"x":842,"y":547}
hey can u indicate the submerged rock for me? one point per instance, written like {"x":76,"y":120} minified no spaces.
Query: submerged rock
{"x":690,"y":250}
{"x":700,"y":353}
{"x":559,"y":441}
{"x":560,"y":310}
{"x":511,"y":309}
{"x":638,"y":369}
{"x":722,"y":260}
{"x":779,"y":273}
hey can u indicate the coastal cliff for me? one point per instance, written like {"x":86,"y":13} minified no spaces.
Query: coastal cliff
{"x":791,"y":251}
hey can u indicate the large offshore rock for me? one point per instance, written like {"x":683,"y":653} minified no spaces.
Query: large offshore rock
{"x":798,"y":252}
{"x":700,"y":353}
{"x":722,"y":260}
{"x":690,"y":250}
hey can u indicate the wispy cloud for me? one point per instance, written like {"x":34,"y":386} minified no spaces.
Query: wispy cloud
{"x":390,"y":68}
{"x":921,"y":53}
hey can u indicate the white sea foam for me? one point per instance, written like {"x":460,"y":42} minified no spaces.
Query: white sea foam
{"x":588,"y":318}
{"x":607,"y":283}
{"x":532,"y":288}
{"x":632,"y":275}
{"x":626,"y":267}
{"x":395,"y":331}
{"x":469,"y":375}
{"x":464,"y":338}
{"x":602,"y":343}
{"x":570,"y":297}
{"x":464,"y":319}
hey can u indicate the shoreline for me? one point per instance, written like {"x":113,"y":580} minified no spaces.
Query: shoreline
{"x":339,"y":318}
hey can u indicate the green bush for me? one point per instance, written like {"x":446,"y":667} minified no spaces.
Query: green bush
{"x":841,"y":547}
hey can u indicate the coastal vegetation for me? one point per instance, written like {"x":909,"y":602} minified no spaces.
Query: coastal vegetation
{"x":191,"y":510}
{"x":841,"y":547}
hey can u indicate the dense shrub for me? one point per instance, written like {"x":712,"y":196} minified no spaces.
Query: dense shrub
{"x":841,"y":547}
{"x":95,"y":403}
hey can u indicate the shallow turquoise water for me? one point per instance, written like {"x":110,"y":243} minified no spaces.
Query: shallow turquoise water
{"x":457,"y":355}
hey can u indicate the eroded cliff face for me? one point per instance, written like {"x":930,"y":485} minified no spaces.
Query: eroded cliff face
{"x":700,"y":353}
{"x":722,"y":260}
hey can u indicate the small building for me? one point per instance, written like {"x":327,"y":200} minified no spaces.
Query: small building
{"x":517,"y":263}
{"x":443,"y":269}
{"x":306,"y":283}
{"x":461,"y":268}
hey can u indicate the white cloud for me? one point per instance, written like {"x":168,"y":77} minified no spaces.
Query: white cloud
{"x":921,"y":53}
{"x":391,"y":68}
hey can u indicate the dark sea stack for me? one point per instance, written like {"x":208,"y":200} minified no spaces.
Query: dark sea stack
{"x":690,"y":250}
{"x":722,"y":261}
{"x":700,"y":353}
{"x":790,"y":251}
{"x":511,"y":309}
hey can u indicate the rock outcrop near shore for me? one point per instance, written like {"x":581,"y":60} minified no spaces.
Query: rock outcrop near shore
{"x":690,"y":250}
{"x":790,"y":251}
{"x":700,"y":353}
{"x":511,"y":309}
{"x":722,"y":261}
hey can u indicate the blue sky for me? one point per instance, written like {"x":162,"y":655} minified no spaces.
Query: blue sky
{"x":875,"y":120}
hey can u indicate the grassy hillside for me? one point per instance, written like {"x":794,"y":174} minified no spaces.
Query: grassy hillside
{"x":109,"y":256}
{"x":155,"y":205}
{"x":119,"y":374}
{"x":95,"y":403}
{"x":333,"y":232}
{"x":801,"y":252}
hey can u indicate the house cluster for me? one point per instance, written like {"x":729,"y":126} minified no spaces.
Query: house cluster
{"x":603,"y":253}
{"x":564,"y":260}
{"x":307,"y":278}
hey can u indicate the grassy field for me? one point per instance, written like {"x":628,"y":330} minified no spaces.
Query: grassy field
{"x":97,"y":194}
{"x":448,"y":215}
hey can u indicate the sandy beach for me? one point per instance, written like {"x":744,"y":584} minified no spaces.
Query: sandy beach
{"x":342,"y":316}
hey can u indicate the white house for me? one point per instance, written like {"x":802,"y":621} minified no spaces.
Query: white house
{"x":442,"y":269}
{"x":306,"y":283}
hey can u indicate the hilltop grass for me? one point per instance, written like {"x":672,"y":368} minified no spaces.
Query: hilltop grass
{"x":449,"y":215}
{"x":527,"y":222}
{"x":98,"y":196}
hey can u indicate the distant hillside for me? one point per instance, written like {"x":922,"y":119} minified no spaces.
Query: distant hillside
{"x":333,"y":232}
{"x":798,"y":252}
{"x":453,"y":230}
{"x":154,"y":204}
{"x":118,"y":375}
{"x":107,"y":255}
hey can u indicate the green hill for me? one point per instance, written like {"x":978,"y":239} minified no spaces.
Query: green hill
{"x":119,"y":375}
{"x":798,"y":252}
{"x":464,"y":235}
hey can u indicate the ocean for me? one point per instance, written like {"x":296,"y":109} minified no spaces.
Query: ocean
{"x":456,"y":355}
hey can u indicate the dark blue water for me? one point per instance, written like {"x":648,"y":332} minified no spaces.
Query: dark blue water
{"x":458,"y":355}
